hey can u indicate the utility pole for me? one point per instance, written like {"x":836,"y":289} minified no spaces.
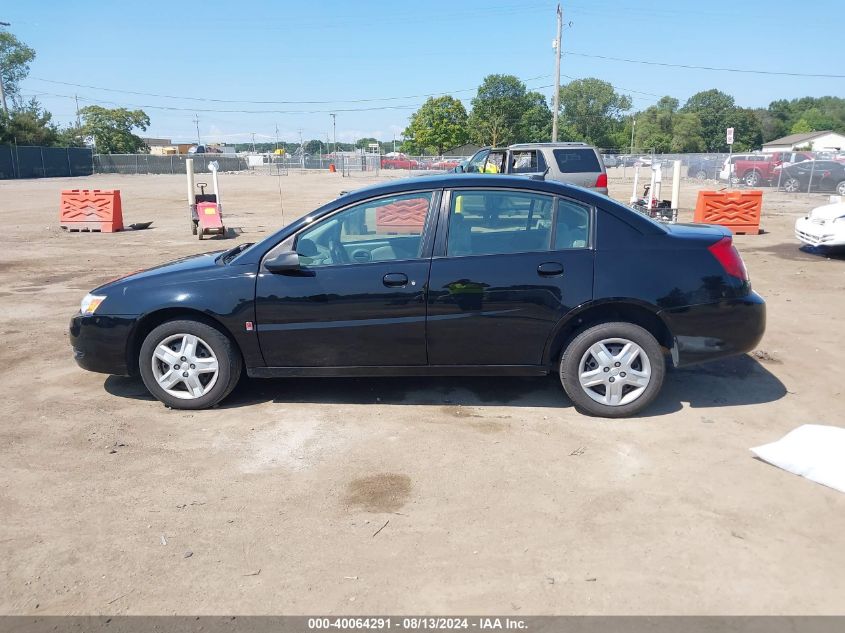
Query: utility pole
{"x":277,"y":137}
{"x":334,"y":131}
{"x":2,"y":89}
{"x":633,"y":128}
{"x":78,"y":123}
{"x":556,"y":96}
{"x":253,"y":142}
{"x":197,"y":121}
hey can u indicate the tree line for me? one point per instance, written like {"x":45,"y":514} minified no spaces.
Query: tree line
{"x":503,"y":111}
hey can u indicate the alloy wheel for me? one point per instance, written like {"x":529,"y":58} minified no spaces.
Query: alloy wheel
{"x":614,"y":371}
{"x":185,"y":366}
{"x":791,"y":185}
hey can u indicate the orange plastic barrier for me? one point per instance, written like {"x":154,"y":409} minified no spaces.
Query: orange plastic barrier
{"x":737,"y":210}
{"x":402,"y":216}
{"x":91,"y":210}
{"x":332,"y":168}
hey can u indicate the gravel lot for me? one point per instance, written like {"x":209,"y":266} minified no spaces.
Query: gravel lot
{"x":400,"y":495}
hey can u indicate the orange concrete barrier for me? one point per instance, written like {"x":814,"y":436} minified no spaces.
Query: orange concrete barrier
{"x":332,"y":168}
{"x":402,"y":216}
{"x":737,"y":210}
{"x":91,"y":210}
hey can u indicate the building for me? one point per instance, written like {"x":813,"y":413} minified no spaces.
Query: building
{"x":826,"y":140}
{"x":467,"y":149}
{"x":156,"y":142}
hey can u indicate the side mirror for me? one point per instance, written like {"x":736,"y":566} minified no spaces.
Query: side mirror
{"x":287,"y":262}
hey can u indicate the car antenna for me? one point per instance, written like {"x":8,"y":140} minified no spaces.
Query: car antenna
{"x":540,"y":176}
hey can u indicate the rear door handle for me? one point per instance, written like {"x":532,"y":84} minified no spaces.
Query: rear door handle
{"x":395,"y":280}
{"x":550,"y":269}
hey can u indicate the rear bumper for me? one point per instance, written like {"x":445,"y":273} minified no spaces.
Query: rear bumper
{"x":100,"y":342}
{"x":714,"y":330}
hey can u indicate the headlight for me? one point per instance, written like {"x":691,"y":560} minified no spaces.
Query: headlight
{"x":90,"y":304}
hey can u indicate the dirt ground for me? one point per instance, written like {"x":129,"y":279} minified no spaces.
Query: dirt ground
{"x":400,"y":495}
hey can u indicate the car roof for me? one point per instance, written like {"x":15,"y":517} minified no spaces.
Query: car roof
{"x":446,"y":181}
{"x":558,"y":144}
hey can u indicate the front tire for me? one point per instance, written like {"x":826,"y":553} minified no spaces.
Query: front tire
{"x":189,"y":364}
{"x":612,"y":370}
{"x":840,"y":188}
{"x":792,"y":185}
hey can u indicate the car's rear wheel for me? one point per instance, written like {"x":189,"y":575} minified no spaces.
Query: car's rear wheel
{"x":752,"y":179}
{"x":189,"y":364}
{"x":612,"y":370}
{"x":792,"y":185}
{"x":701,"y":175}
{"x":840,"y":188}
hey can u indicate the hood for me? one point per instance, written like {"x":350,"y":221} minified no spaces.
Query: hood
{"x":828,"y":211}
{"x":192,"y":262}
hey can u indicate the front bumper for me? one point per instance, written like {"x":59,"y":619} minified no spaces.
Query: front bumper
{"x":825,"y":233}
{"x":100,"y":343}
{"x":714,"y":330}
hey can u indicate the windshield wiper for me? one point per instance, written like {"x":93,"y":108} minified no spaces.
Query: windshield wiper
{"x":229,"y":255}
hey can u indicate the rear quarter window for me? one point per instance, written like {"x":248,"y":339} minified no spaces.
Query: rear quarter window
{"x":576,"y":160}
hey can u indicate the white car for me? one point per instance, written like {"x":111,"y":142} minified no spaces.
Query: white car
{"x":823,"y":226}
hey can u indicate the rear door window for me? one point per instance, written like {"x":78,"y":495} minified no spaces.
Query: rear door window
{"x":527,"y":161}
{"x":576,"y":160}
{"x":497,"y":222}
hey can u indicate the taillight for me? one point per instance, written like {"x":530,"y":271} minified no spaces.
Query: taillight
{"x":726,"y":254}
{"x":601,"y":181}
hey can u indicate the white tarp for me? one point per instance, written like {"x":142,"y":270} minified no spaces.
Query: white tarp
{"x":813,"y":451}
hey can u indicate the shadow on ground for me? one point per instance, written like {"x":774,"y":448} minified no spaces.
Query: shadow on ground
{"x":793,"y":251}
{"x":736,"y":381}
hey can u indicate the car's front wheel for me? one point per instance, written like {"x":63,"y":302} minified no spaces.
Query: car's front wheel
{"x":189,"y":364}
{"x":840,"y":188}
{"x":612,"y":370}
{"x":792,"y":185}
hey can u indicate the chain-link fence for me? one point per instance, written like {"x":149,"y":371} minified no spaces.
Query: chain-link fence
{"x":173,"y":164}
{"x":353,"y":163}
{"x":24,"y":161}
{"x":793,"y":171}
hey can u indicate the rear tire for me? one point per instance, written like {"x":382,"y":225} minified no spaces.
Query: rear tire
{"x":210,"y":359}
{"x":612,"y":370}
{"x":752,"y":179}
{"x":701,"y":175}
{"x":840,"y":188}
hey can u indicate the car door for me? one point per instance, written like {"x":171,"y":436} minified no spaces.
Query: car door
{"x":359,"y":297}
{"x":507,"y":266}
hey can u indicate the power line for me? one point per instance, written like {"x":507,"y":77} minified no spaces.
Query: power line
{"x":211,"y":100}
{"x":715,"y":68}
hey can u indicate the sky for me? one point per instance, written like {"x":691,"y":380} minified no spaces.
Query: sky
{"x":257,"y":66}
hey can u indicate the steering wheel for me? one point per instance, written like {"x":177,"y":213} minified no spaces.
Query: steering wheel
{"x":339,"y":254}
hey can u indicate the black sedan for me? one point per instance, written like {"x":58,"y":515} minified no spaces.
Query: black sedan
{"x":448,"y":275}
{"x":814,"y":175}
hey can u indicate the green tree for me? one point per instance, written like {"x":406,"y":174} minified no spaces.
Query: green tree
{"x":440,"y":123}
{"x":15,"y":57}
{"x":497,"y":110}
{"x":687,"y":134}
{"x":28,"y":125}
{"x":535,"y":124}
{"x":717,"y":112}
{"x":591,"y":110}
{"x":112,"y":128}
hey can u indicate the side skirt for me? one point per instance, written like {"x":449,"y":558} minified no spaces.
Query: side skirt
{"x":411,"y":370}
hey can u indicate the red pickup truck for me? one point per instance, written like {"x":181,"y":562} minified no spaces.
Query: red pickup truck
{"x":761,"y":169}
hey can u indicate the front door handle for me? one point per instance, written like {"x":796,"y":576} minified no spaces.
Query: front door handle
{"x":395,"y":280}
{"x":550,"y":269}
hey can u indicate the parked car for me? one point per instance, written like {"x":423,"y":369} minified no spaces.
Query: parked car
{"x":823,"y":227}
{"x":814,"y":175}
{"x":610,"y":160}
{"x":398,"y":161}
{"x":763,"y":169}
{"x":704,"y":167}
{"x":573,"y":163}
{"x":502,"y":275}
{"x":446,"y":164}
